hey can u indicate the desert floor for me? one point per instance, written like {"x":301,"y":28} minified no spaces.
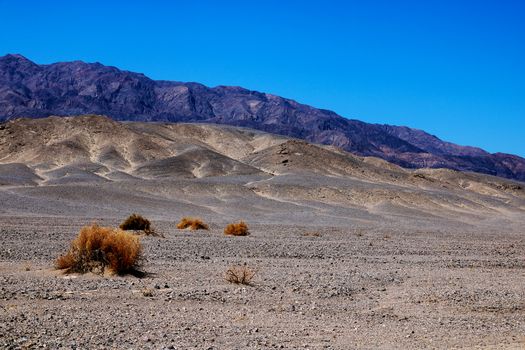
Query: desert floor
{"x":314,"y":288}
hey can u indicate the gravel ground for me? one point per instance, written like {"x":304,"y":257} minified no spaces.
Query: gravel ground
{"x":314,"y":288}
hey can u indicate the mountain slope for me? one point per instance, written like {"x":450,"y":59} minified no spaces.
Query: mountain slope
{"x":48,"y":165}
{"x":70,"y":88}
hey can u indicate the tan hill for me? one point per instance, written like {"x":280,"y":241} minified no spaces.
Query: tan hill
{"x":93,"y":147}
{"x":92,"y":165}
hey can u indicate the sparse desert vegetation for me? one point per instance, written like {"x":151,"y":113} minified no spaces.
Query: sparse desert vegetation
{"x":147,"y":292}
{"x":237,"y":229}
{"x":239,"y":274}
{"x":297,"y":281}
{"x":99,"y":249}
{"x":192,"y":224}
{"x":136,"y":222}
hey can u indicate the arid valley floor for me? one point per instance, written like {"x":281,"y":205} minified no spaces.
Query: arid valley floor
{"x":349,"y":252}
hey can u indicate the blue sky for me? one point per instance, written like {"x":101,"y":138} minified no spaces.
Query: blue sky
{"x":453,"y":68}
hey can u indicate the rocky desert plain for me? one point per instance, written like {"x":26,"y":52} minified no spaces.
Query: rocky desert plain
{"x":348,"y":252}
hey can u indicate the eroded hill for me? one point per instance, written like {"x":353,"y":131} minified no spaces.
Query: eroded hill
{"x":92,"y":164}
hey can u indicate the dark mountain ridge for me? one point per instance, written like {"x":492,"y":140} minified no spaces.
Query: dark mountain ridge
{"x":28,"y":89}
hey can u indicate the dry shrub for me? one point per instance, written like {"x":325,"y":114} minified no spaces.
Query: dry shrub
{"x":98,"y":248}
{"x":239,"y":274}
{"x":192,"y":224}
{"x":237,"y":229}
{"x":147,"y":292}
{"x":136,"y":222}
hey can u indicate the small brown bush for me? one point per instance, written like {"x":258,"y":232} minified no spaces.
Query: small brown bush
{"x":192,"y":224}
{"x":239,"y":274}
{"x":136,"y":222}
{"x":98,"y":248}
{"x":237,"y":229}
{"x":147,"y":292}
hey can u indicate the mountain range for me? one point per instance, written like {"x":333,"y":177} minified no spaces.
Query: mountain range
{"x":33,"y":90}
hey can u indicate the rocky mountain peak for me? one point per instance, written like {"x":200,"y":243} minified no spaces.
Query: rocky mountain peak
{"x":72,"y":88}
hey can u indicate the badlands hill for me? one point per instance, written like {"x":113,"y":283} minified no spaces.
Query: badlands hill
{"x":28,"y":89}
{"x":92,"y":165}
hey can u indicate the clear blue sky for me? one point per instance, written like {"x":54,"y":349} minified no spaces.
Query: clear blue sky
{"x":453,"y":68}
